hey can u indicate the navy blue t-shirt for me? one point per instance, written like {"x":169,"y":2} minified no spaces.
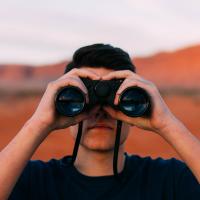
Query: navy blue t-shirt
{"x":141,"y":179}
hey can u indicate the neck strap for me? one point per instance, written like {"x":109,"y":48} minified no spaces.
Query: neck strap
{"x":116,"y":148}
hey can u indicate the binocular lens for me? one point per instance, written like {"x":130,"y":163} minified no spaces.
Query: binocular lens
{"x":70,"y":101}
{"x":134,"y":102}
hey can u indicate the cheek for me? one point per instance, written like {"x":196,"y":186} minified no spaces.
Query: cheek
{"x":73,"y":130}
{"x":124,"y":131}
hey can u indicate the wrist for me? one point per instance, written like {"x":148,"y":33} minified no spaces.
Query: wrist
{"x":172,"y":126}
{"x":38,"y":127}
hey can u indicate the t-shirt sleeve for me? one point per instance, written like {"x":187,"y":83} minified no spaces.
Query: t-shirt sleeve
{"x":21,"y":188}
{"x":186,"y":184}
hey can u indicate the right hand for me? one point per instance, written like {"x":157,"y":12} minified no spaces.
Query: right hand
{"x":46,"y":111}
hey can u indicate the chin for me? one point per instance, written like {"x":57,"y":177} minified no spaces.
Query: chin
{"x":99,"y":141}
{"x":98,"y":147}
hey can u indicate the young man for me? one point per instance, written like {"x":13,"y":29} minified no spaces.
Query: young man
{"x":91,"y":176}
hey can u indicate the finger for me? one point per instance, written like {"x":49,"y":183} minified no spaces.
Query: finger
{"x":83,"y":73}
{"x":119,"y":74}
{"x":127,"y":84}
{"x":116,"y":114}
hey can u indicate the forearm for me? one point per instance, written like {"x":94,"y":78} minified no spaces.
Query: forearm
{"x":14,"y":157}
{"x":186,"y":145}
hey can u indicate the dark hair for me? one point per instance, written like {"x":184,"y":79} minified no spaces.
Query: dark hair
{"x":101,"y":55}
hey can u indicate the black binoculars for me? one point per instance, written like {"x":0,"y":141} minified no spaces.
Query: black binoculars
{"x":133,"y":101}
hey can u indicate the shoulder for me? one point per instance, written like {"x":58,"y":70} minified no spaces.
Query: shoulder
{"x":171,"y":167}
{"x":171,"y":174}
{"x":39,"y":175}
{"x":50,"y":167}
{"x":156,"y":162}
{"x":53,"y":162}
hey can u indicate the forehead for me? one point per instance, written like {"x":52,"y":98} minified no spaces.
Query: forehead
{"x":98,"y":70}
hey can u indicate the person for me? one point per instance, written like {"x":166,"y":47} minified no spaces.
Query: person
{"x":91,"y":176}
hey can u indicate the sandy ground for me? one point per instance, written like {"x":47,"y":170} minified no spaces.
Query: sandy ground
{"x":14,"y":112}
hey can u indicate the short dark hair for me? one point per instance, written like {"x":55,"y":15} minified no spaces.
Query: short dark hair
{"x":101,"y":55}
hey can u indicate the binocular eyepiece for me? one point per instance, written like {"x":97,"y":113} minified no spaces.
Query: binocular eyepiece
{"x":133,"y":101}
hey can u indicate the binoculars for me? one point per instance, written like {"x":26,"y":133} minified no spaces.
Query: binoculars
{"x":71,"y":101}
{"x":133,"y":101}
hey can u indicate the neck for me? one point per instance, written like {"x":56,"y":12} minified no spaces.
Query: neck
{"x":96,"y":163}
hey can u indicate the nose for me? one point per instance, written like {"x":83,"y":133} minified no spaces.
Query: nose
{"x":101,"y":114}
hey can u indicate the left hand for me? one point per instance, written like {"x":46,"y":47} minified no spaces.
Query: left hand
{"x":160,"y":118}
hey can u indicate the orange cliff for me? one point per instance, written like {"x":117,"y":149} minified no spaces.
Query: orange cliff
{"x":178,"y":69}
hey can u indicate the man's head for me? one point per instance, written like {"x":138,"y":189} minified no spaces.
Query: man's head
{"x":99,"y":131}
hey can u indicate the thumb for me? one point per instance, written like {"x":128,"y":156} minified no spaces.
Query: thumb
{"x":133,"y":121}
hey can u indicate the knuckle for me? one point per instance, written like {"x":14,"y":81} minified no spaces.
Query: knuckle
{"x":51,"y":84}
{"x":132,"y":83}
{"x":152,"y":85}
{"x":71,"y":78}
{"x":86,"y":71}
{"x":75,"y":70}
{"x":128,"y":71}
{"x":75,"y":80}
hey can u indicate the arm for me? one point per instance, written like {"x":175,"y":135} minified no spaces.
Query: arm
{"x":16,"y":154}
{"x":14,"y":157}
{"x":161,"y":121}
{"x":185,"y":144}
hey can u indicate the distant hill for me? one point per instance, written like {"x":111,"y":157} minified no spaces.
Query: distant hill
{"x":21,"y":72}
{"x":177,"y":69}
{"x":170,"y":71}
{"x":20,"y":79}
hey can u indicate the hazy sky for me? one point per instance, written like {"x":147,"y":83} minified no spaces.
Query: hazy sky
{"x":46,"y":31}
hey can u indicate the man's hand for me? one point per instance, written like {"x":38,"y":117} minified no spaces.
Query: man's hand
{"x":46,"y":112}
{"x":16,"y":154}
{"x":160,"y":118}
{"x":161,"y":121}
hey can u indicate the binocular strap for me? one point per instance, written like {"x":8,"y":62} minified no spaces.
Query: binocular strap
{"x":116,"y":149}
{"x":77,"y":142}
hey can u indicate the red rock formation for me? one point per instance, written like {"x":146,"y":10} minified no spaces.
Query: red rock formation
{"x":178,"y":69}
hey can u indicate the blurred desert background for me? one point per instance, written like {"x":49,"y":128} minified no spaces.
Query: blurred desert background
{"x":176,"y":74}
{"x":38,"y":39}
